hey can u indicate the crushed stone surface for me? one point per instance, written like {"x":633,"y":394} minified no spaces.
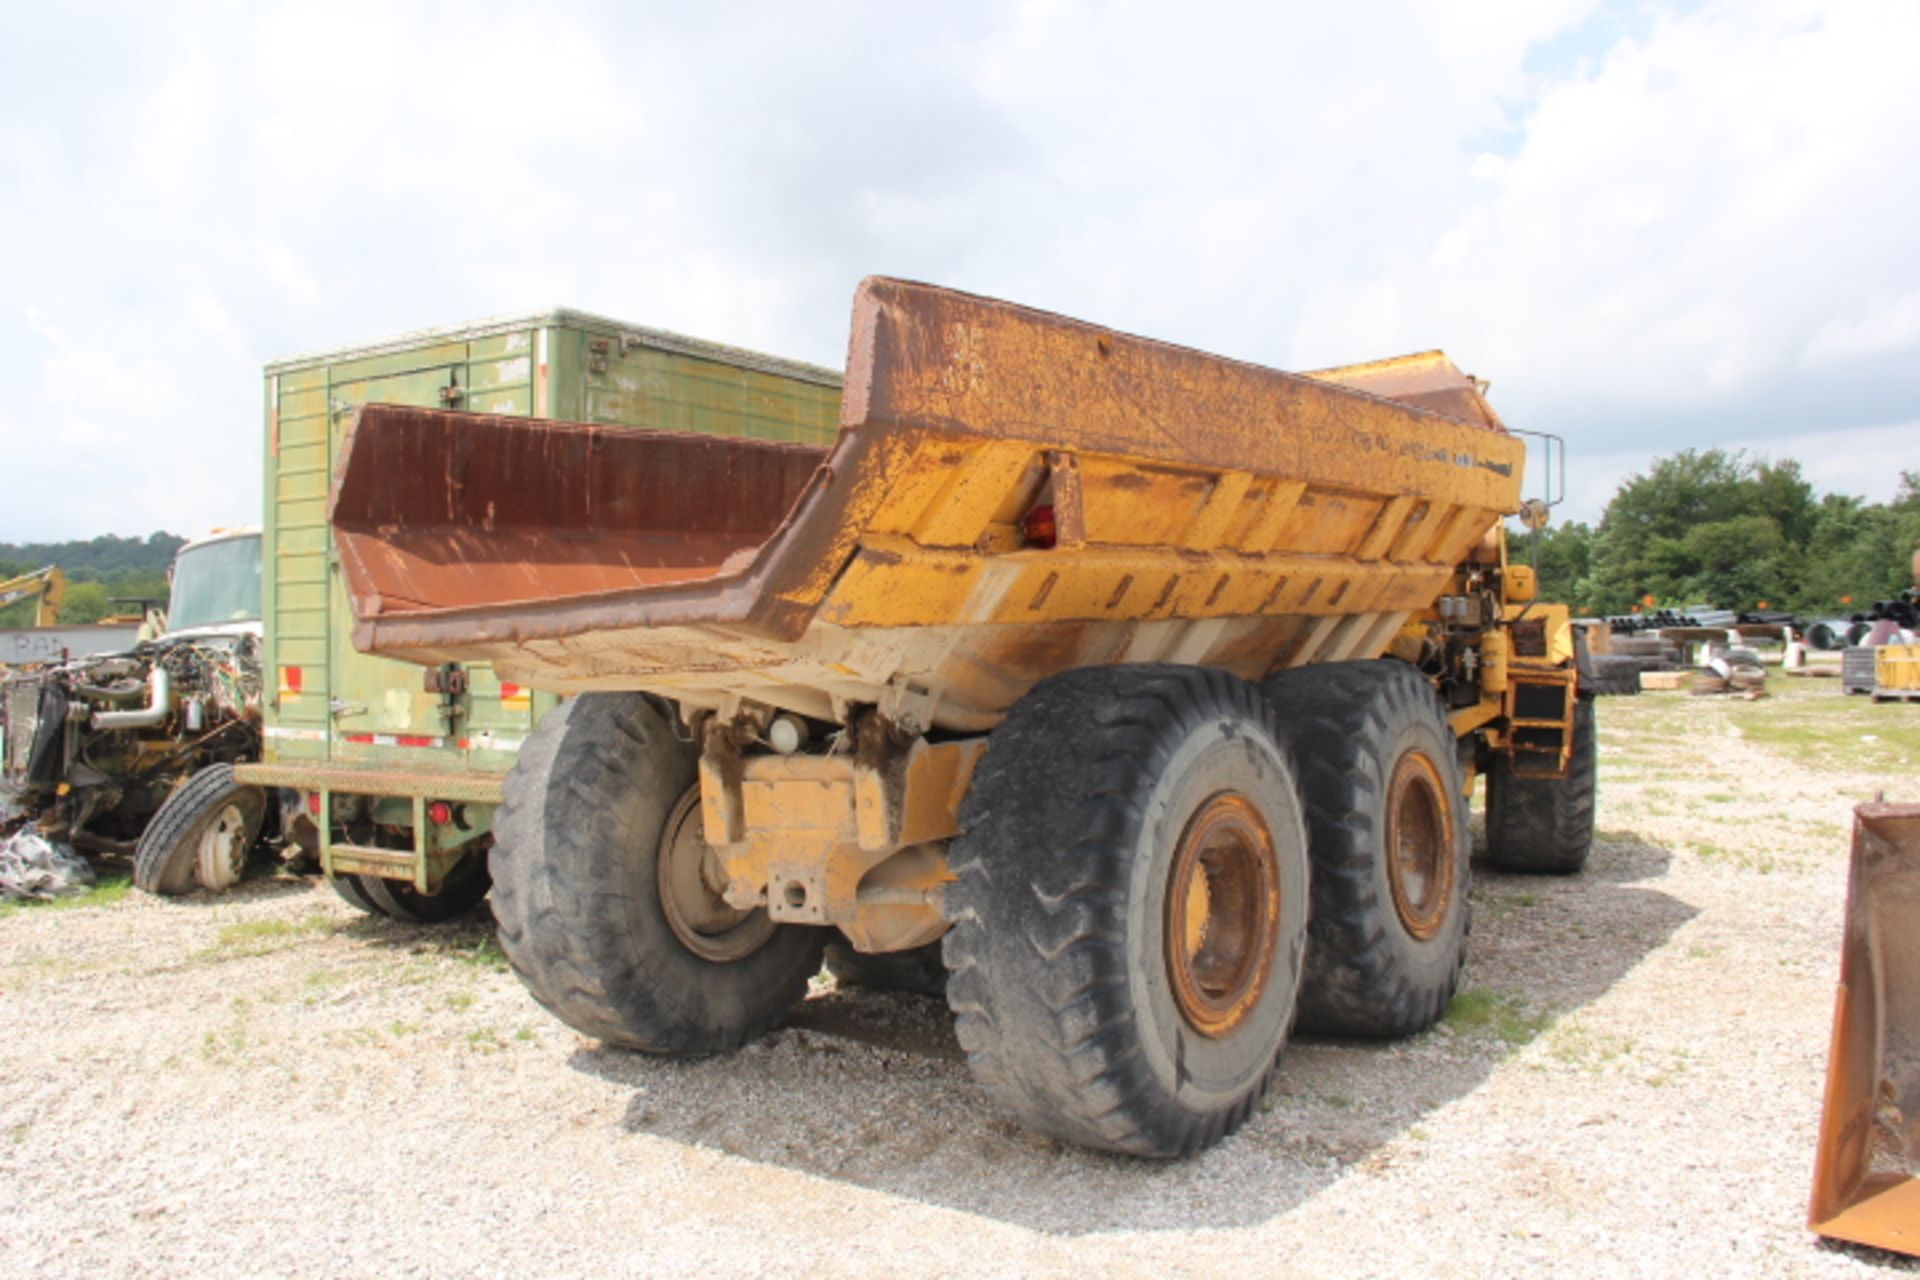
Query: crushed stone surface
{"x":269,"y":1083}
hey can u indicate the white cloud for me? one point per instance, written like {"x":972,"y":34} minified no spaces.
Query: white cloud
{"x":1672,"y":228}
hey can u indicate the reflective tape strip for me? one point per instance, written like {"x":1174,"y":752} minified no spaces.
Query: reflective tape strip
{"x":393,"y":740}
{"x":491,"y":742}
{"x":294,"y":735}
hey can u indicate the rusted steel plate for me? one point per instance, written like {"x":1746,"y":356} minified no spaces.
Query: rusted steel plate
{"x":1866,"y":1179}
{"x":1205,"y":511}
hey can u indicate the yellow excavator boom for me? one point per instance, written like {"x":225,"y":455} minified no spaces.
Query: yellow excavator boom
{"x":48,"y":586}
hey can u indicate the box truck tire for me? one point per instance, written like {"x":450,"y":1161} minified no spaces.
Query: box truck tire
{"x":201,"y":835}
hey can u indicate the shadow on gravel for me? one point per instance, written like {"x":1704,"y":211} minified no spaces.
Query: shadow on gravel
{"x":256,"y":888}
{"x":472,"y":937}
{"x":870,"y":1088}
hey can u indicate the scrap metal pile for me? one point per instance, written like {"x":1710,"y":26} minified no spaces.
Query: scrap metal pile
{"x":93,"y":746}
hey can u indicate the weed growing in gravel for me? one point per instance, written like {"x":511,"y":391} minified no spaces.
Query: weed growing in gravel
{"x":485,"y":1040}
{"x":399,"y":1029}
{"x":460,"y":1000}
{"x":1739,"y":859}
{"x":231,"y":1042}
{"x":485,"y":953}
{"x":1578,"y":1047}
{"x":1495,"y":1015}
{"x":1499,"y":906}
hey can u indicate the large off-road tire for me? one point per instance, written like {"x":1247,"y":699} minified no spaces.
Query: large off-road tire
{"x":605,"y":911}
{"x":921,"y":970}
{"x":201,"y":835}
{"x":1545,"y":825}
{"x":1130,"y":908}
{"x":1386,"y":816}
{"x":461,"y":890}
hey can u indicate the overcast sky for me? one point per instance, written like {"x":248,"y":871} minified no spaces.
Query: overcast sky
{"x":1653,"y":226}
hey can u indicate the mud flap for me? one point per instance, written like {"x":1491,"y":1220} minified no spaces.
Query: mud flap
{"x":1866,"y":1177}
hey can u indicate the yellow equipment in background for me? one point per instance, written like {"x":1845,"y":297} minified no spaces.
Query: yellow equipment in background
{"x":48,"y":584}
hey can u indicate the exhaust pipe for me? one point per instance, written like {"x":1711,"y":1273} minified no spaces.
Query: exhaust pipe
{"x":159,"y":703}
{"x":1866,"y":1175}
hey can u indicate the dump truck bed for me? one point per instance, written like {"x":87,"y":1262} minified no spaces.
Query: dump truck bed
{"x":1202,"y":511}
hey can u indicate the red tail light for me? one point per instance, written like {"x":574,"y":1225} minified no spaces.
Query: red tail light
{"x":1037,"y":527}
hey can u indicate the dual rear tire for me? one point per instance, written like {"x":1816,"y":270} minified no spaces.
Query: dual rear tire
{"x":1130,"y":931}
{"x":1387,"y":822}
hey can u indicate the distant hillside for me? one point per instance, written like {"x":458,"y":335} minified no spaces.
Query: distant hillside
{"x":97,"y":569}
{"x":107,"y":558}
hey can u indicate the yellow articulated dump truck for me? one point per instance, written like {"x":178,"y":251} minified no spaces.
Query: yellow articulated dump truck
{"x":1151,"y":686}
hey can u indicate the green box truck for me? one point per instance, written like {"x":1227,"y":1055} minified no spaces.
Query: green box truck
{"x":388,"y":774}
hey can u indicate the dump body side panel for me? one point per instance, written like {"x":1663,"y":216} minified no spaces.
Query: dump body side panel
{"x":1208,"y":512}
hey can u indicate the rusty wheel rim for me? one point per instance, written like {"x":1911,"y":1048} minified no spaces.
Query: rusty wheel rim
{"x":1420,"y":841}
{"x":689,"y":874}
{"x":220,"y":857}
{"x":1223,"y":914}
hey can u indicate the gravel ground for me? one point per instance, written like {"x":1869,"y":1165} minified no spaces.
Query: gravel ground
{"x":271,"y":1084}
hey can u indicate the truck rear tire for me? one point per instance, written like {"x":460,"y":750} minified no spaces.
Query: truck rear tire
{"x":201,"y":835}
{"x":1130,"y":908}
{"x":461,"y":890}
{"x":598,"y":890}
{"x":1387,"y":830}
{"x":353,"y":893}
{"x":1545,"y":825}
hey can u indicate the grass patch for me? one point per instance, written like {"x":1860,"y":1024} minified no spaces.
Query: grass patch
{"x":1494,"y":1015}
{"x":1822,"y":728}
{"x":103,"y":892}
{"x":262,"y":937}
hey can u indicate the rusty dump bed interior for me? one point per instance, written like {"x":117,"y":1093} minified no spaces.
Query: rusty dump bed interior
{"x":1206,"y":511}
{"x":1866,"y":1179}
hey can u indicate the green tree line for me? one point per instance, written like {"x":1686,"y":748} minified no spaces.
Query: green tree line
{"x":99,"y":571}
{"x":1730,"y":531}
